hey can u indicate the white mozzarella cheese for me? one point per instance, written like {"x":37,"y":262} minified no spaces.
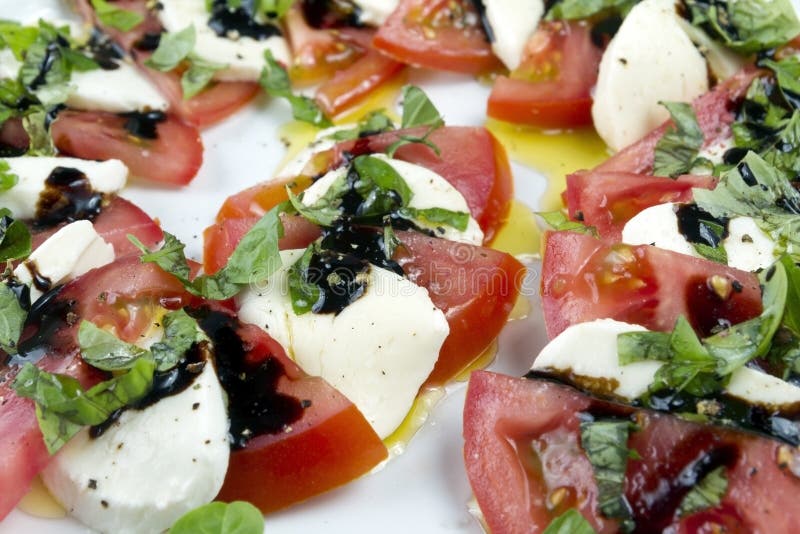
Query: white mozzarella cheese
{"x":244,"y":56}
{"x":714,"y":153}
{"x":650,"y":59}
{"x":70,"y":252}
{"x":747,"y":246}
{"x":657,"y":226}
{"x":513,"y":22}
{"x":117,"y":91}
{"x":589,"y":351}
{"x":429,"y":190}
{"x":151,"y":466}
{"x":375,"y":12}
{"x":105,"y":177}
{"x":322,"y":141}
{"x":378,"y":351}
{"x":9,"y":66}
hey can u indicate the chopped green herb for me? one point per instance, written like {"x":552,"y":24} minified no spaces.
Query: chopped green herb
{"x":677,"y":150}
{"x":12,"y":319}
{"x":275,"y":81}
{"x":570,"y":522}
{"x":304,"y":294}
{"x":15,"y":238}
{"x":437,"y":216}
{"x":115,"y":16}
{"x":16,"y":37}
{"x":181,"y":332}
{"x":40,"y":142}
{"x":374,"y":122}
{"x":558,"y":220}
{"x":103,"y":350}
{"x":237,"y":517}
{"x":418,"y":111}
{"x":173,"y":48}
{"x":706,"y":494}
{"x":274,"y":9}
{"x":584,"y":9}
{"x":198,"y":76}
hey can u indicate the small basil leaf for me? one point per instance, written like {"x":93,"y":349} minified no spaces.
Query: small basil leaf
{"x":274,"y":9}
{"x":570,"y":522}
{"x":418,"y":110}
{"x":584,"y":9}
{"x":173,"y":48}
{"x":410,"y":140}
{"x":40,"y":142}
{"x":303,"y":293}
{"x":437,"y":216}
{"x":322,"y":213}
{"x":390,"y":242}
{"x":677,"y":149}
{"x":374,"y":122}
{"x":558,"y":220}
{"x":198,"y":76}
{"x":17,"y":37}
{"x":384,"y":176}
{"x":103,"y":350}
{"x":181,"y":332}
{"x":220,"y":518}
{"x":15,"y":238}
{"x":275,"y":81}
{"x":116,"y":17}
{"x":12,"y":319}
{"x":791,"y":314}
{"x":706,"y":494}
{"x":642,"y":346}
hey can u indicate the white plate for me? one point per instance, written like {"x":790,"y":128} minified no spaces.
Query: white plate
{"x":425,"y":489}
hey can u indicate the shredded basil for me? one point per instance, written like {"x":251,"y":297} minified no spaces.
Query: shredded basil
{"x":105,"y":351}
{"x":374,"y":122}
{"x":275,"y":9}
{"x":706,"y":494}
{"x":7,"y":178}
{"x":584,"y":9}
{"x":40,"y":141}
{"x":558,"y":220}
{"x":198,"y":76}
{"x":15,"y":238}
{"x":116,"y":17}
{"x":304,"y":294}
{"x":605,"y":442}
{"x":12,"y":319}
{"x":418,"y":111}
{"x":275,"y":81}
{"x":16,"y":37}
{"x":173,"y":48}
{"x":570,"y":522}
{"x":677,"y":150}
{"x":237,"y":517}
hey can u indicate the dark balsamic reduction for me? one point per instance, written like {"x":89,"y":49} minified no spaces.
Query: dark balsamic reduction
{"x":104,"y":50}
{"x":148,"y":42}
{"x":240,"y":20}
{"x":52,"y":54}
{"x":696,"y":225}
{"x":143,"y":125}
{"x":47,"y":316}
{"x":67,"y":197}
{"x":255,"y":406}
{"x":363,"y":242}
{"x":326,"y":14}
{"x":341,"y":278}
{"x":487,"y":28}
{"x":747,"y":174}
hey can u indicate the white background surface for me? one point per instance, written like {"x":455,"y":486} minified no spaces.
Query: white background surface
{"x":425,"y":490}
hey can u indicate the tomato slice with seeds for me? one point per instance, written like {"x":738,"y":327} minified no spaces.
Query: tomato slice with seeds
{"x":585,"y":279}
{"x":552,"y":87}
{"x":173,"y":158}
{"x":437,"y":34}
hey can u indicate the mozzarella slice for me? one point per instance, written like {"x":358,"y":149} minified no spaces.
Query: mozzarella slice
{"x":513,"y":22}
{"x":429,"y":190}
{"x":119,"y":90}
{"x":748,"y":248}
{"x":104,"y":176}
{"x":70,"y":252}
{"x":151,"y":466}
{"x":322,"y":141}
{"x":587,"y":353}
{"x":375,"y":12}
{"x":378,"y":351}
{"x":650,"y":59}
{"x":244,"y":56}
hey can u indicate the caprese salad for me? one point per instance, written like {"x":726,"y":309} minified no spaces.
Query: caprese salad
{"x":666,"y":399}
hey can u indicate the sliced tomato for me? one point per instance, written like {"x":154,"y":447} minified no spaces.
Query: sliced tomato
{"x":715,"y":113}
{"x":470,"y":158}
{"x":220,"y":239}
{"x":437,"y":34}
{"x":173,"y":158}
{"x":123,"y":295}
{"x":150,"y":25}
{"x":13,"y":138}
{"x":118,"y":218}
{"x":552,"y":87}
{"x":526,"y":465}
{"x":353,"y":83}
{"x":584,"y":279}
{"x":607,"y":200}
{"x":475,"y":287}
{"x":331,"y":444}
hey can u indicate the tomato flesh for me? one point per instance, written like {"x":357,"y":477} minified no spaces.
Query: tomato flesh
{"x":552,"y":87}
{"x":585,"y":279}
{"x":437,"y":34}
{"x":173,"y":158}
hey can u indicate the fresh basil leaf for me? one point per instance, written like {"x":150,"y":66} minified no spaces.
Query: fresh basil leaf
{"x":784,"y":152}
{"x":45,"y":72}
{"x":437,"y":216}
{"x":181,"y":332}
{"x":418,"y":110}
{"x":237,"y":517}
{"x":747,"y":26}
{"x":103,"y":350}
{"x":275,"y":81}
{"x":274,"y":9}
{"x":63,"y":407}
{"x":706,"y":494}
{"x":173,"y":48}
{"x":390,"y":241}
{"x":570,"y":522}
{"x":254,"y":259}
{"x":15,"y":238}
{"x":716,"y":254}
{"x":12,"y":319}
{"x":384,"y":176}
{"x":404,"y":140}
{"x":303,"y":293}
{"x":116,"y":17}
{"x":16,"y":37}
{"x":787,"y":74}
{"x":641,"y":346}
{"x":374,"y":122}
{"x":323,"y":213}
{"x":198,"y":76}
{"x":584,"y":9}
{"x":677,"y":149}
{"x":40,"y":142}
{"x":791,"y":314}
{"x":606,"y":445}
{"x":558,"y":220}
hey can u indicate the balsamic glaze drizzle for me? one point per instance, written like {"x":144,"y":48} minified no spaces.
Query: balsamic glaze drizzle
{"x":240,"y":21}
{"x":143,"y":125}
{"x":104,"y":50}
{"x":68,"y":196}
{"x":695,"y":224}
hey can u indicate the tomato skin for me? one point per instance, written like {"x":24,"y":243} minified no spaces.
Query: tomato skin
{"x":172,"y":159}
{"x":150,"y":25}
{"x":13,"y":137}
{"x":715,"y":114}
{"x":434,"y":34}
{"x":508,"y":419}
{"x":330,"y":445}
{"x":256,"y":200}
{"x":585,"y":279}
{"x":560,"y":101}
{"x":608,"y":200}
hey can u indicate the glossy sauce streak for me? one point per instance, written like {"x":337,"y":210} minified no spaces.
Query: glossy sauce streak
{"x":104,"y":50}
{"x":255,"y":406}
{"x":342,"y":279}
{"x":143,"y":125}
{"x":51,"y":55}
{"x":68,"y":196}
{"x":331,"y":13}
{"x":696,"y":225}
{"x":47,"y":316}
{"x":148,"y":42}
{"x":239,"y":21}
